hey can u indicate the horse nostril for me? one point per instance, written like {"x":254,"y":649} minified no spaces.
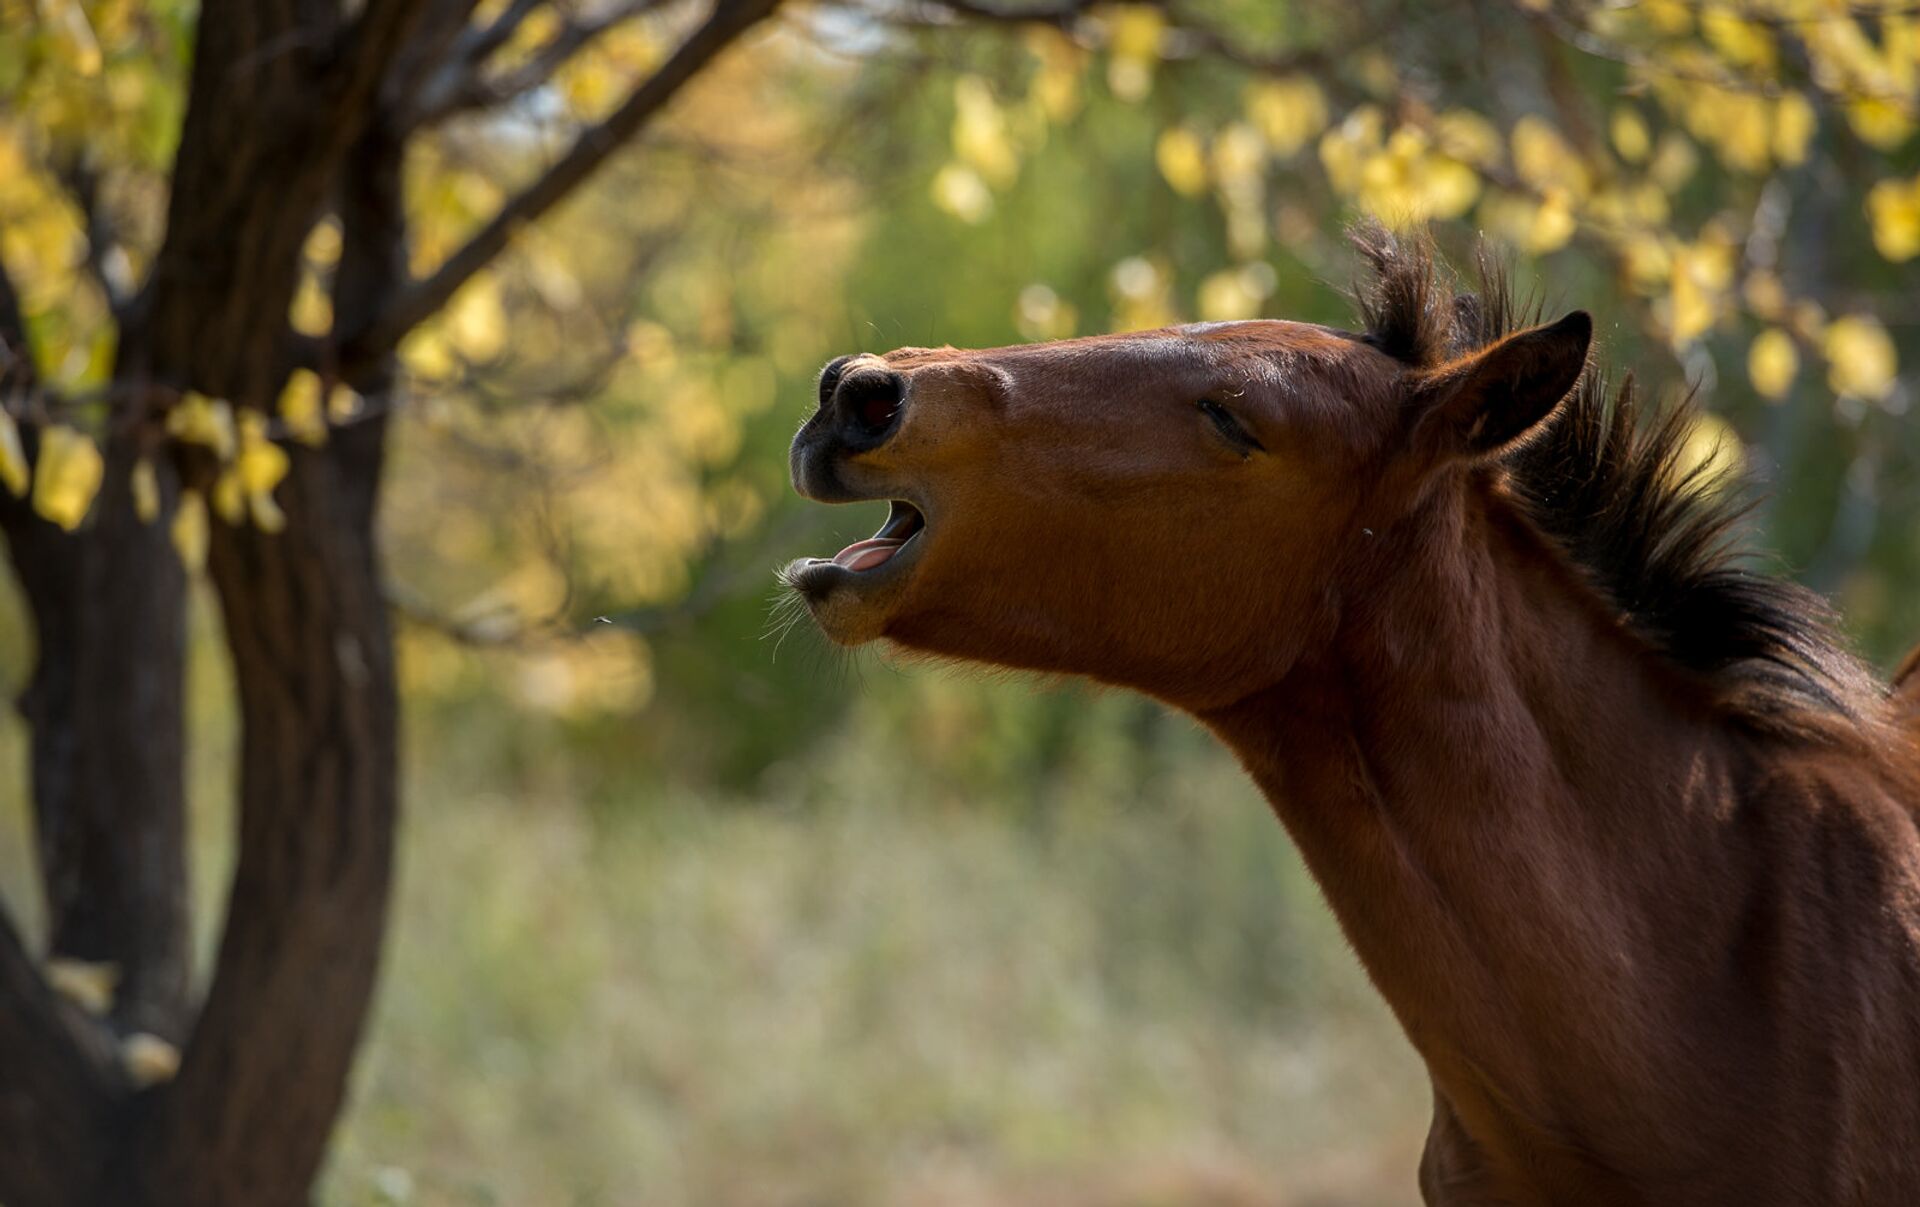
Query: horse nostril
{"x":869,"y":402}
{"x":830,"y":377}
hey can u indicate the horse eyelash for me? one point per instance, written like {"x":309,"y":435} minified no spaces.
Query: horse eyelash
{"x":1230,"y":427}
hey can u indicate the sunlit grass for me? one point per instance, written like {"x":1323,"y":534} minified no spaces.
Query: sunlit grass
{"x":878,"y":1000}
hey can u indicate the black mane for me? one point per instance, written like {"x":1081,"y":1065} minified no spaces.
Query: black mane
{"x":1608,"y":481}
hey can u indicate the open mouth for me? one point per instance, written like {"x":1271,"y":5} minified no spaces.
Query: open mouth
{"x":886,"y":548}
{"x":904,"y":522}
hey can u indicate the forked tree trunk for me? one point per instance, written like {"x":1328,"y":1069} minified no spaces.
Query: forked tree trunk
{"x":287,"y":112}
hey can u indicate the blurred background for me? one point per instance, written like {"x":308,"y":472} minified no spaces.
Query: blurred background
{"x":692,"y":910}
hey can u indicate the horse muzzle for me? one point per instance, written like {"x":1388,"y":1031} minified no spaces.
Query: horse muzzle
{"x":862,"y":406}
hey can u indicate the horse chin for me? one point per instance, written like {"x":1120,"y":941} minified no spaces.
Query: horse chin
{"x":852,"y":594}
{"x":850,"y":607}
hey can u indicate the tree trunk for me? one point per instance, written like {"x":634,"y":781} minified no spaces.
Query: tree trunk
{"x":247,"y":1120}
{"x":114,"y":851}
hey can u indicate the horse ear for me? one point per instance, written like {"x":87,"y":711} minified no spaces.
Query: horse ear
{"x":1481,"y":403}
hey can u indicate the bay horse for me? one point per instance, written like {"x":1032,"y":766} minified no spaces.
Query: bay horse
{"x":1620,"y":830}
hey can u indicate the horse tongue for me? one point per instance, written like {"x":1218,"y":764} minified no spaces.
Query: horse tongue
{"x":865,"y":555}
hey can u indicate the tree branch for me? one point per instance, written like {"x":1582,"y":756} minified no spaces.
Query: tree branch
{"x":458,"y":93}
{"x":82,"y":183}
{"x":729,"y":20}
{"x":1060,"y":12}
{"x":60,"y":1084}
{"x":55,"y":1094}
{"x":484,"y":40}
{"x":16,"y":368}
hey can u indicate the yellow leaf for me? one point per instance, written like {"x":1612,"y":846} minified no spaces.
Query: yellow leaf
{"x":1468,"y":137}
{"x":1649,"y":263}
{"x":67,"y":477}
{"x":88,"y":984}
{"x":1544,"y":160}
{"x":1235,"y":293}
{"x":980,"y":132}
{"x":477,"y":319}
{"x":1141,"y":291}
{"x":189,"y":531}
{"x":1553,"y":225}
{"x":1674,"y":161}
{"x":229,"y":499}
{"x":1136,"y":31}
{"x":1446,"y":188}
{"x":259,"y":468}
{"x":343,"y":404}
{"x":197,"y":419}
{"x":425,"y":353}
{"x":146,"y":491}
{"x":1288,"y":112}
{"x":1182,"y":160}
{"x":1740,"y":42}
{"x":312,"y":310}
{"x":148,"y":1059}
{"x":1629,"y":132}
{"x":1134,"y":43}
{"x":589,"y":84}
{"x":1345,"y":150}
{"x":1056,"y":85}
{"x":301,"y":409}
{"x":323,"y":243}
{"x":267,"y":516}
{"x":13,"y":457}
{"x":74,"y":36}
{"x":1668,"y":16}
{"x":1894,"y":207}
{"x":1879,"y":121}
{"x":1860,"y":356}
{"x":1772,"y":362}
{"x":1793,"y":128}
{"x":1765,"y":295}
{"x":1712,"y":452}
{"x":959,"y":190}
{"x":1239,"y":156}
{"x":1691,"y":308}
{"x":1041,"y":314}
{"x":261,"y":463}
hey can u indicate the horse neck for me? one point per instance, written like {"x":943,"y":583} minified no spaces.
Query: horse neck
{"x":1501,"y":793}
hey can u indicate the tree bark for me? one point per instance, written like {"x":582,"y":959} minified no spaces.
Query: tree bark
{"x":114,"y":852}
{"x":246,"y":1121}
{"x":58,"y":1092}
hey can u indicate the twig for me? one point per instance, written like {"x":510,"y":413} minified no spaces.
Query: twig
{"x":454,"y":93}
{"x":729,"y":20}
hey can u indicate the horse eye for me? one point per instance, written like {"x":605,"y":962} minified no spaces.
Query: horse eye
{"x":1230,"y":427}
